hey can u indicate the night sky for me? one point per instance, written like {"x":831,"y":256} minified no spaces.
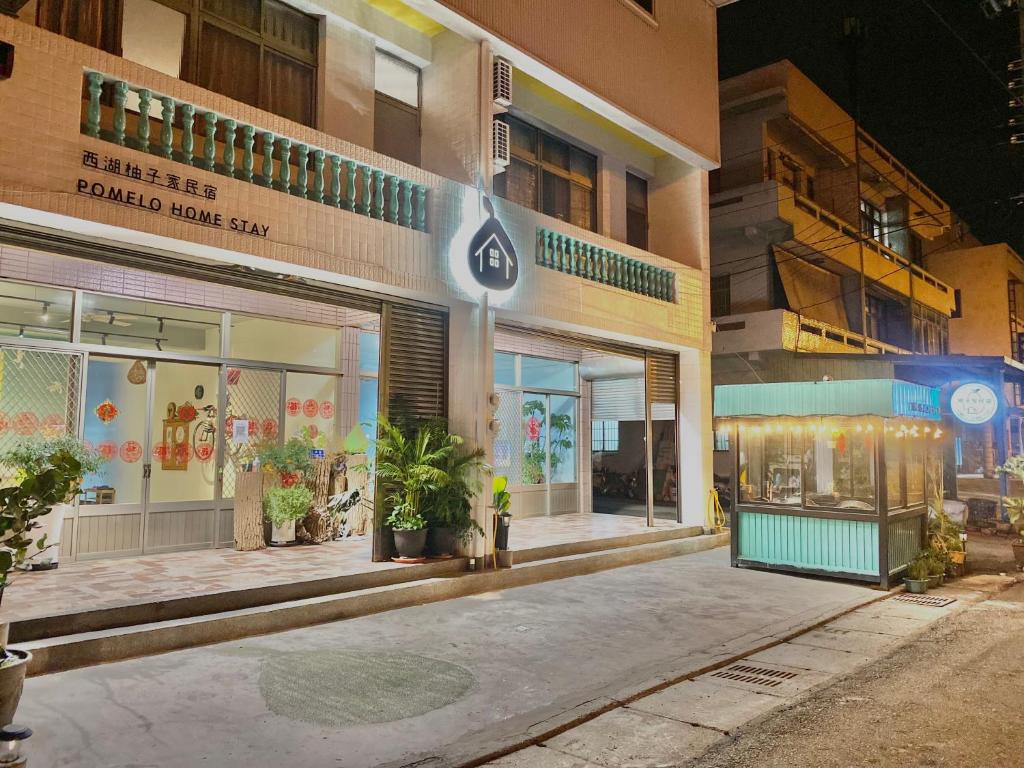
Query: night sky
{"x":922,"y":94}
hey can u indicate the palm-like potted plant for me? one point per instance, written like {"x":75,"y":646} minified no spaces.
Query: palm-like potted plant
{"x":32,"y":455}
{"x":21,"y":506}
{"x":501,"y":500}
{"x":448,"y":509}
{"x":916,"y":579}
{"x":408,"y":468}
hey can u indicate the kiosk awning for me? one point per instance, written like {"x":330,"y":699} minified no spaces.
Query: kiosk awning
{"x":887,"y":398}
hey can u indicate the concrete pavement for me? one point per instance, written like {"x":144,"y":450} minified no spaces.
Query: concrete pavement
{"x":437,"y":684}
{"x":691,"y":722}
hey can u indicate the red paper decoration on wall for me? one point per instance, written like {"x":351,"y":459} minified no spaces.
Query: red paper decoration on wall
{"x":107,"y":449}
{"x":26,"y":423}
{"x":310,"y":408}
{"x":131,"y":451}
{"x":312,"y":431}
{"x":106,"y":411}
{"x":292,"y":406}
{"x":326,"y":410}
{"x":54,"y":425}
{"x":234,"y":375}
{"x":204,"y":452}
{"x":160,"y":452}
{"x":5,"y":421}
{"x":270,"y":428}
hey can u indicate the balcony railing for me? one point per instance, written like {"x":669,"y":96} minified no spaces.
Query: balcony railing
{"x":591,"y":262}
{"x":232,"y":149}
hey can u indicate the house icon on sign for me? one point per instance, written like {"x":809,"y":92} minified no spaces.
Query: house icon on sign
{"x":492,"y":257}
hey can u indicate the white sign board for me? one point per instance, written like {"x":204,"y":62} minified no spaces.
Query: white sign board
{"x":974,"y":403}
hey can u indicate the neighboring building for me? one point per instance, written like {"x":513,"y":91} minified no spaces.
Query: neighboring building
{"x":265,"y":210}
{"x":818,"y":234}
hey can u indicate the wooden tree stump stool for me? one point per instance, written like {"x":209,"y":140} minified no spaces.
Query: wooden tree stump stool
{"x":249,"y":511}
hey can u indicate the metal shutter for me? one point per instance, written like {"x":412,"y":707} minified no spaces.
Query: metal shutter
{"x":417,"y":362}
{"x":662,"y":377}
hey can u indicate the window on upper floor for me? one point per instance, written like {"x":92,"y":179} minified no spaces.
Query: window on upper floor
{"x":872,"y":223}
{"x":931,"y":331}
{"x":260,"y":52}
{"x":721,"y":298}
{"x":549,"y":175}
{"x":647,"y":6}
{"x":636,"y":211}
{"x":787,"y":171}
{"x":396,"y":109}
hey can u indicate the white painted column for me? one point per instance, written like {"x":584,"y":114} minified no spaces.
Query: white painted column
{"x":696,"y":474}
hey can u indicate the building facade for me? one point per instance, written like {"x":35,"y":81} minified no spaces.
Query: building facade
{"x":287,"y":218}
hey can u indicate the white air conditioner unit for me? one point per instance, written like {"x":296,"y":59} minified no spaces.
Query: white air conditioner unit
{"x":501,"y":86}
{"x":500,"y":149}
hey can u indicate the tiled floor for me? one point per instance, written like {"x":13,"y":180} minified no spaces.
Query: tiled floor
{"x":125,"y":581}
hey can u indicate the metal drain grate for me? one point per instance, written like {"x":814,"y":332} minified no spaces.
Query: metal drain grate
{"x":932,"y":601}
{"x":764,"y":676}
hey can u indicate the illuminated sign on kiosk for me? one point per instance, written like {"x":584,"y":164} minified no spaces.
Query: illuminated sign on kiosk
{"x":974,"y":403}
{"x":492,"y":257}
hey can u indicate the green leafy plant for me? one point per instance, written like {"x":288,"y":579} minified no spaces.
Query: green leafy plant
{"x":408,"y":465}
{"x":535,"y":452}
{"x":501,"y":498}
{"x":291,"y":458}
{"x":284,"y":505}
{"x":449,"y":505}
{"x":918,"y":568}
{"x":937,"y":563}
{"x":1014,"y":466}
{"x":32,"y":455}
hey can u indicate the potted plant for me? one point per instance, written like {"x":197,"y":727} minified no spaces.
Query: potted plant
{"x":916,"y":579}
{"x":285,"y":505}
{"x":32,"y":455}
{"x":1015,"y":507}
{"x":408,"y":467}
{"x":501,"y":500}
{"x":448,"y":509}
{"x":290,"y":460}
{"x":936,"y":568}
{"x":21,"y":505}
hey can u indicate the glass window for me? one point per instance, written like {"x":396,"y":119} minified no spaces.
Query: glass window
{"x":721,"y":440}
{"x":311,"y":404}
{"x":839,"y":469}
{"x":505,"y":369}
{"x":119,"y":322}
{"x":604,"y":436}
{"x":397,"y":79}
{"x":563,"y":439}
{"x":31,"y":312}
{"x":560,"y":180}
{"x":281,"y":341}
{"x":781,"y":481}
{"x":872,"y":222}
{"x":721,"y":295}
{"x":368,"y":410}
{"x":396,"y":114}
{"x":894,"y":470}
{"x":751,"y":463}
{"x":535,"y":439}
{"x":542,"y":373}
{"x":636,"y":211}
{"x":369,"y":352}
{"x":914,"y":448}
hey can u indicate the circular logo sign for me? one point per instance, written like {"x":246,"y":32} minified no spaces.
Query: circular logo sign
{"x":974,"y":403}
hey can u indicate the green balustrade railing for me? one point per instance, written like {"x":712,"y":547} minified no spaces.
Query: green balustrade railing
{"x":190,"y":135}
{"x":593,"y":262}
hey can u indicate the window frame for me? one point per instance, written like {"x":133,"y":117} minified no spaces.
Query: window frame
{"x":872,"y":222}
{"x":600,"y":444}
{"x":645,"y":211}
{"x":717,"y":289}
{"x":541,"y":166}
{"x":398,"y":104}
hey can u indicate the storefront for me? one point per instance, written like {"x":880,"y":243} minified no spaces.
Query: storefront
{"x":832,"y":477}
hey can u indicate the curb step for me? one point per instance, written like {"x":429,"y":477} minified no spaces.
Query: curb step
{"x":83,"y":649}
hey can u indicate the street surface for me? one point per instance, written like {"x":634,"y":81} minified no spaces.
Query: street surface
{"x":452,"y":680}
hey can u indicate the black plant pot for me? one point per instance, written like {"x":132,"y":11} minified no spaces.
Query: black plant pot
{"x":441,"y":542}
{"x":501,"y":535}
{"x":410,"y":544}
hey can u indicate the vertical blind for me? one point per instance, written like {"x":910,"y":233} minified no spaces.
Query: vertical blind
{"x":417,"y":357}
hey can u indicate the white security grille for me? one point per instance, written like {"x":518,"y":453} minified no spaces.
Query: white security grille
{"x":502,"y":85}
{"x":39,"y":394}
{"x":254,"y":395}
{"x":508,"y":444}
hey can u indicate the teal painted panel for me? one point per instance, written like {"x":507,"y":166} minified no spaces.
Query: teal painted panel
{"x":904,"y":542}
{"x":864,"y":397}
{"x":822,"y":544}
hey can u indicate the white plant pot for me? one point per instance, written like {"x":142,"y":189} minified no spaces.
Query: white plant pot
{"x":283,"y":535}
{"x":51,"y":525}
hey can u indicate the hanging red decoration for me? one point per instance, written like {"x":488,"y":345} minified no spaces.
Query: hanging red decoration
{"x":310,"y":408}
{"x":26,"y":423}
{"x":183,"y":452}
{"x":107,"y":449}
{"x":326,"y":410}
{"x":160,"y":452}
{"x":841,"y":443}
{"x":292,"y":406}
{"x":533,"y":428}
{"x":130,"y":451}
{"x":186,"y":412}
{"x":234,"y":375}
{"x":254,"y":428}
{"x":270,"y":428}
{"x":106,"y":411}
{"x":204,"y":452}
